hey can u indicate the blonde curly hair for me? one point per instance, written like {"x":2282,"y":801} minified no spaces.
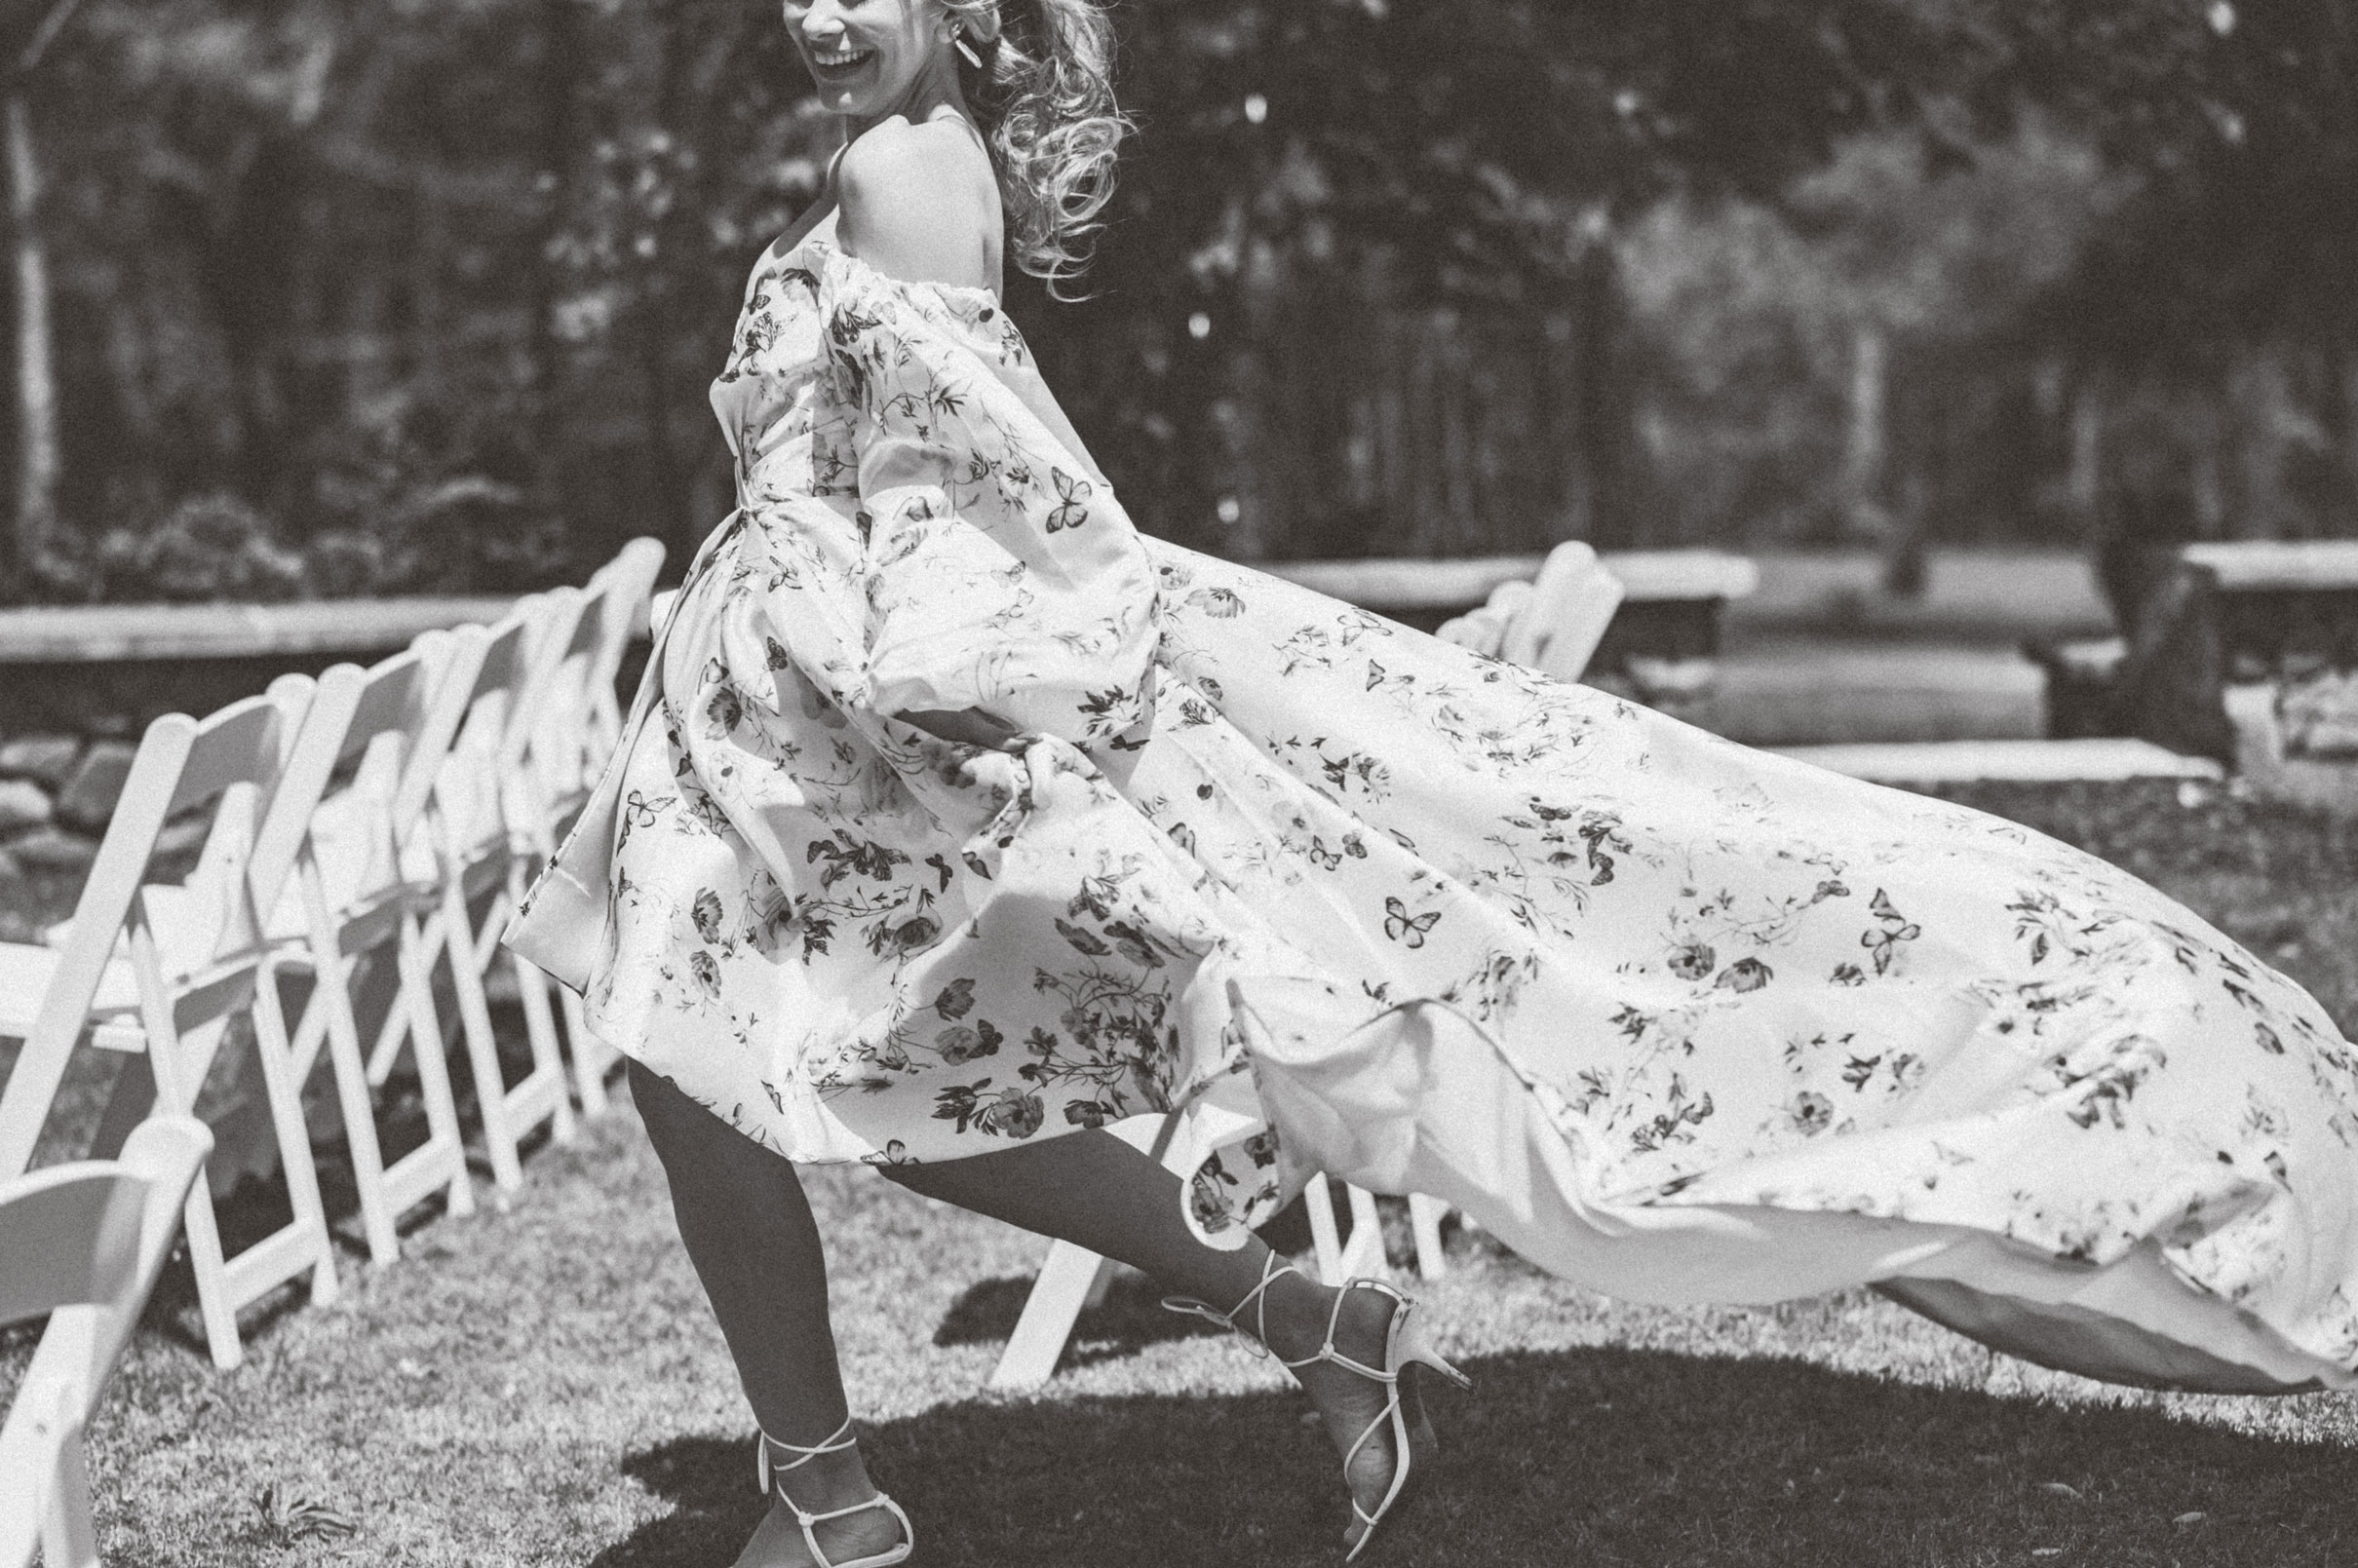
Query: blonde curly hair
{"x":1043,"y":97}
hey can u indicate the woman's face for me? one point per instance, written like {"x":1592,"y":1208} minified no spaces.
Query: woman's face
{"x":867,"y":55}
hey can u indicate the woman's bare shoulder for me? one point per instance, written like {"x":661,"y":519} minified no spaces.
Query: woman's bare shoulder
{"x":919,"y":203}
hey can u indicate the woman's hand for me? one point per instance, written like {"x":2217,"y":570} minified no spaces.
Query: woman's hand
{"x":968,"y":726}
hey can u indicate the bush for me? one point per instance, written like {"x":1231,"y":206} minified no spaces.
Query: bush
{"x":207,"y":547}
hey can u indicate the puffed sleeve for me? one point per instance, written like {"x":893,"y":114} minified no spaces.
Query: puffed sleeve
{"x":998,"y":571}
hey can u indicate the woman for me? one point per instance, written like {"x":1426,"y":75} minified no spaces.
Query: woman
{"x":957,"y":820}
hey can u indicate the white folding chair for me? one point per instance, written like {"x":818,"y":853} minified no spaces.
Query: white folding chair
{"x":84,"y":1244}
{"x":630,"y":582}
{"x":1572,"y":601}
{"x":359,"y":900}
{"x":165,"y":971}
{"x":1551,"y":624}
{"x":485,"y":800}
{"x":578,"y":724}
{"x":1070,"y":1278}
{"x":620,"y":604}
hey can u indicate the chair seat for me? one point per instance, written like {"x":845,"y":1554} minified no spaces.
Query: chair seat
{"x":25,"y":971}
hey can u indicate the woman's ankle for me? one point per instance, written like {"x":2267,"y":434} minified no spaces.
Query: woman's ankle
{"x":1301,"y":1311}
{"x":1296,"y":1320}
{"x":822,"y":1482}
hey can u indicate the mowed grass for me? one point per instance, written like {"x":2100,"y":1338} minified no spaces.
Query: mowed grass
{"x":543,"y":1384}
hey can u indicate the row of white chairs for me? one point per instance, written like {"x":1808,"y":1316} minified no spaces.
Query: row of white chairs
{"x":369,"y":832}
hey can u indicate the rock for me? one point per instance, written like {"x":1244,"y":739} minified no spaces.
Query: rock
{"x":51,"y":848}
{"x":47,"y":759}
{"x":88,"y":797}
{"x":22,"y":804}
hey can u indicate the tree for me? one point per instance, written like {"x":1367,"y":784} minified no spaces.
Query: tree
{"x":37,"y":455}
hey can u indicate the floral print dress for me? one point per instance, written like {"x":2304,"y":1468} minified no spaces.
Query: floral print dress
{"x":1677,"y":1019}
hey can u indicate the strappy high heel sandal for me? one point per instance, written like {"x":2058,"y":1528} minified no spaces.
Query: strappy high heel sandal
{"x":1405,"y":1351}
{"x":772,"y":1474}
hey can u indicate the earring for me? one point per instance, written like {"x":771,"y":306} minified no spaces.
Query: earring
{"x":957,"y":39}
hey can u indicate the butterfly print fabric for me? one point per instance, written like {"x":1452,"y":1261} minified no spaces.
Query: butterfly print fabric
{"x":1677,"y":1019}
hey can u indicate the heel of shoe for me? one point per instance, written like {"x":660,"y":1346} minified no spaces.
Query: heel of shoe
{"x":1414,"y":1347}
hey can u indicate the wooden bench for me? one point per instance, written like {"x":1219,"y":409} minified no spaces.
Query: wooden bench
{"x":2239,"y":654}
{"x":1673,"y":607}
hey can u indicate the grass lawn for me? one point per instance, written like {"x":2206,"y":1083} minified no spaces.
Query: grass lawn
{"x":544,"y":1385}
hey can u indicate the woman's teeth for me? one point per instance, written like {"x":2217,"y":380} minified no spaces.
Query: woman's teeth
{"x":841,"y":59}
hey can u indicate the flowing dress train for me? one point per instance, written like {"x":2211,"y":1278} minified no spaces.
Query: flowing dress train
{"x":1677,"y":1019}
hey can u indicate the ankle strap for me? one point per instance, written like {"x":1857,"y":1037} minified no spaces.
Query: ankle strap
{"x":835,"y":1442}
{"x":838,"y":1441}
{"x":1272,"y":1269}
{"x":1327,"y":1351}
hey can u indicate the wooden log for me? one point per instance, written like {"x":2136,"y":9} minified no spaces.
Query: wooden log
{"x":108,"y":633}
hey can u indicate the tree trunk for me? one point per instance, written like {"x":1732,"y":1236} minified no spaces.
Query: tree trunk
{"x":1600,"y":506}
{"x":559,"y":66}
{"x":1864,"y":451}
{"x":37,"y":457}
{"x":2087,"y":475}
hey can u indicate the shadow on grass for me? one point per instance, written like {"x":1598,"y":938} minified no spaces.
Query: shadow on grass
{"x":1131,"y":1318}
{"x":258,"y":1204}
{"x":1598,"y":1456}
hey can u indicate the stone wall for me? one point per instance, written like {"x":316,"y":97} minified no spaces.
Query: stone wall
{"x":68,"y":731}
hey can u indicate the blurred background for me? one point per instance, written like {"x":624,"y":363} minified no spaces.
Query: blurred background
{"x":329,"y":297}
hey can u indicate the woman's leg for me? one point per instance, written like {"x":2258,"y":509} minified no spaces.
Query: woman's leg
{"x":748,"y":1230}
{"x":1095,"y":1191}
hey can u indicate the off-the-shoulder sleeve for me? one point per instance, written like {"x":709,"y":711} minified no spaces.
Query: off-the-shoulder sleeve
{"x":1000,"y":573}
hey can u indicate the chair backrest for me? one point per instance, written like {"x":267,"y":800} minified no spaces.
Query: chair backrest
{"x":452,"y":667}
{"x":70,"y":1234}
{"x":631,"y":580}
{"x":1572,"y":603}
{"x":344,"y":766}
{"x":631,"y":576}
{"x":84,"y":1243}
{"x":484,"y":687}
{"x":233,"y":758}
{"x":82,"y":1234}
{"x":557,"y":735}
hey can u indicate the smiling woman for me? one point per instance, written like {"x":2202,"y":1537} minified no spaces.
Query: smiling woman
{"x":955,"y":820}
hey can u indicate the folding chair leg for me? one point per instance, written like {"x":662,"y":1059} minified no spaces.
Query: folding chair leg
{"x":1425,"y":1220}
{"x":1365,"y":1253}
{"x":592,"y":1056}
{"x":331,"y":1003}
{"x":67,"y":1538}
{"x":307,"y":1232}
{"x":213,"y":1306}
{"x":1324,"y":1237}
{"x":500,"y":1134}
{"x":548,"y":1061}
{"x":1362,"y":1254}
{"x":1049,"y":1313}
{"x":1070,"y":1277}
{"x":442,"y":1134}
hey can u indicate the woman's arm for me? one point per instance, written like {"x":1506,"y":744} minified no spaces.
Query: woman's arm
{"x":914,"y":209}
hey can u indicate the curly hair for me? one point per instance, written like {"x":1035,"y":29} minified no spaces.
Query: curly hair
{"x":1043,"y":97}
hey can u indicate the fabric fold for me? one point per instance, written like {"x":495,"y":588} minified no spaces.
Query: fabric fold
{"x":997,"y":573}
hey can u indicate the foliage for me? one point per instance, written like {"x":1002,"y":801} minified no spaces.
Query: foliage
{"x":337,"y":256}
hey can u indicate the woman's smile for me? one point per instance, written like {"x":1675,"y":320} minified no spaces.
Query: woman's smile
{"x":840,"y":61}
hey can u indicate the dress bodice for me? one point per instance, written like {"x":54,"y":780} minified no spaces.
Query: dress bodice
{"x":770,"y":395}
